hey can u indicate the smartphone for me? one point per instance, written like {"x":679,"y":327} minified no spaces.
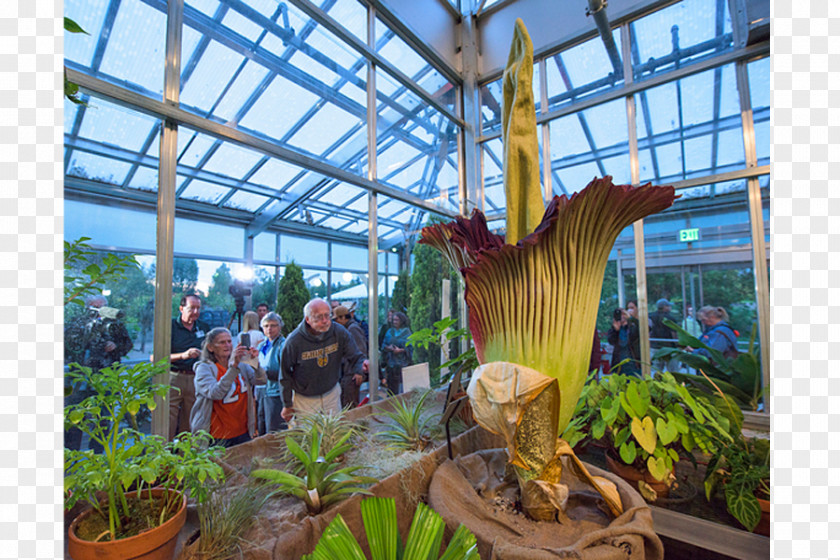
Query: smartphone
{"x":245,"y":339}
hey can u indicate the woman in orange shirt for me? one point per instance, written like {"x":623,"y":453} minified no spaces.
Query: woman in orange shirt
{"x":223,"y":397}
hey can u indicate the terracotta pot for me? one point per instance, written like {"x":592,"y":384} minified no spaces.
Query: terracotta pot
{"x":155,"y":544}
{"x":763,"y":527}
{"x":633,"y":475}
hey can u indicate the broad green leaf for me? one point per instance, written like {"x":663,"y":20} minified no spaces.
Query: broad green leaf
{"x":667,"y":431}
{"x":657,"y":468}
{"x":425,"y":534}
{"x":461,"y":547}
{"x":336,"y":542}
{"x":637,"y":400}
{"x":743,"y":506}
{"x":380,"y":519}
{"x":687,"y":441}
{"x":673,"y":454}
{"x":73,"y":27}
{"x":645,"y":433}
{"x":598,"y":428}
{"x":622,"y":435}
{"x":627,"y":452}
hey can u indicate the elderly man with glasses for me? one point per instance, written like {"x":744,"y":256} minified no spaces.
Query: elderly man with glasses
{"x":311,"y":362}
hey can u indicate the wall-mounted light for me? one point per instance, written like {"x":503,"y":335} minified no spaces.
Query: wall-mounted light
{"x":347,"y":276}
{"x":315,"y":282}
{"x":106,"y":293}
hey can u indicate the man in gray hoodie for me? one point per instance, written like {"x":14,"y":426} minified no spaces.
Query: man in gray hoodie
{"x":310,"y":364}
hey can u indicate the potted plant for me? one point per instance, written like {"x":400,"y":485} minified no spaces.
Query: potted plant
{"x":742,"y":472}
{"x":650,"y":424}
{"x":137,"y":487}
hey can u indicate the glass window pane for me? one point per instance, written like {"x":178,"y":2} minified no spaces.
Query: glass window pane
{"x":396,"y":51}
{"x":303,"y":251}
{"x":690,"y":127}
{"x":679,"y":34}
{"x":265,"y":247}
{"x":759,"y":80}
{"x":591,"y":143}
{"x":580,"y":72}
{"x":349,"y":257}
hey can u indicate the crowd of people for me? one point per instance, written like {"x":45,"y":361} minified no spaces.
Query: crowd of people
{"x":710,"y":325}
{"x":242,"y":386}
{"x":254,"y":383}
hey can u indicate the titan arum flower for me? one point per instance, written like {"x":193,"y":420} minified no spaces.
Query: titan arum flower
{"x":533,"y":296}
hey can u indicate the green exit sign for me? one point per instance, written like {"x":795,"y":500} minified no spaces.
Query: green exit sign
{"x":687,"y":235}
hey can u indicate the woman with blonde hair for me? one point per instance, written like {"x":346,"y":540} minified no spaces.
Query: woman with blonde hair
{"x":224,"y":402}
{"x":717,"y":333}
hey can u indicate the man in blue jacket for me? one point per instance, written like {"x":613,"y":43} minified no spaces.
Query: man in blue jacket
{"x":310,"y":364}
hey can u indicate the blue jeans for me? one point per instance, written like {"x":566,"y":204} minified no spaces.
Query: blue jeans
{"x":273,"y":406}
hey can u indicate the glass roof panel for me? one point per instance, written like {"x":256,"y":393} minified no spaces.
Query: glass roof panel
{"x":232,"y":160}
{"x":276,"y":174}
{"x":90,"y":166}
{"x":690,"y":127}
{"x":352,"y":16}
{"x":208,"y":7}
{"x":145,"y":179}
{"x":325,"y":129}
{"x":242,"y":25}
{"x":89,"y":14}
{"x":697,"y":27}
{"x":193,"y":147}
{"x":138,"y":55}
{"x":395,"y":50}
{"x":246,"y":201}
{"x":279,"y":108}
{"x":115,"y":125}
{"x":206,"y":83}
{"x":580,"y":72}
{"x":203,"y":191}
{"x":237,"y":94}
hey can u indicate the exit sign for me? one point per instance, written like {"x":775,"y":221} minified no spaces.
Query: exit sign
{"x":687,"y":235}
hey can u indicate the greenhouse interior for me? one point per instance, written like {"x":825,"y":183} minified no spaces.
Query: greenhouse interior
{"x":228,"y":162}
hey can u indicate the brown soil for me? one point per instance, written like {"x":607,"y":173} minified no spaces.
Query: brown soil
{"x":142,"y":516}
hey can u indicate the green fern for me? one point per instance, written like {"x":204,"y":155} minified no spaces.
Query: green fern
{"x":380,"y":520}
{"x":320,"y":481}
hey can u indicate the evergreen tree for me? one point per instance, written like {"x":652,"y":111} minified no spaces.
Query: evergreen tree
{"x":263,"y":290}
{"x":218,"y":294}
{"x":184,"y":276}
{"x":292,"y":295}
{"x":430,"y":269}
{"x":401,"y":295}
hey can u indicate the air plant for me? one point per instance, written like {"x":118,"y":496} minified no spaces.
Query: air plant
{"x":533,"y":295}
{"x":413,"y":427}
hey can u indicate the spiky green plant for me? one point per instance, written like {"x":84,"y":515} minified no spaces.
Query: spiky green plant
{"x":380,"y":519}
{"x":223,"y":519}
{"x":320,"y":481}
{"x":413,"y":425}
{"x":331,"y":427}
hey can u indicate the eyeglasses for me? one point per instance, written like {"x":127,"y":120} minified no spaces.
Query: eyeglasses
{"x":321,"y":317}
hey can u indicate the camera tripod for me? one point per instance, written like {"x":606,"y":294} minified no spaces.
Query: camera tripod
{"x":237,"y":314}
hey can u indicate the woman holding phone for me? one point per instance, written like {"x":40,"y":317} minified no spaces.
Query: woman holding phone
{"x":224,"y":404}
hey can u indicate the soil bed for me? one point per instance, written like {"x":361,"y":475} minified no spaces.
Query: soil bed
{"x":136,"y":522}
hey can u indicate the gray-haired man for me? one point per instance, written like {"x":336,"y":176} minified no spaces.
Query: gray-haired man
{"x":310,"y":365}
